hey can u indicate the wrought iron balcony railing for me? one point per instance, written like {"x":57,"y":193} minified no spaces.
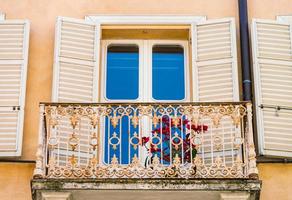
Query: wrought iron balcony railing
{"x":146,"y":140}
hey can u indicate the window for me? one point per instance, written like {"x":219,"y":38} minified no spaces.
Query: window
{"x":145,"y":71}
{"x":140,"y":71}
{"x":168,"y":77}
{"x":122,"y":66}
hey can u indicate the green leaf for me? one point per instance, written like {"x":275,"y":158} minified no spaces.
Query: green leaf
{"x":194,"y":153}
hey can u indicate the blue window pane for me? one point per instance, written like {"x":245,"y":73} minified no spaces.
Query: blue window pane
{"x":122,"y":77}
{"x":168,"y":80}
{"x":120,"y":141}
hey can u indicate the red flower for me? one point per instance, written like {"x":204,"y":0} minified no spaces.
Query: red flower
{"x":165,"y":119}
{"x":153,"y":149}
{"x":202,"y":128}
{"x":199,"y":128}
{"x":164,"y":130}
{"x":193,"y":127}
{"x":144,"y":140}
{"x":185,"y":121}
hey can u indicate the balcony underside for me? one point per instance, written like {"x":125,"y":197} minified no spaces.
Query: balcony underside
{"x":150,"y":189}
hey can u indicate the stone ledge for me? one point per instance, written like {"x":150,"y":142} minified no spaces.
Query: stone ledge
{"x":147,"y":184}
{"x":250,"y":186}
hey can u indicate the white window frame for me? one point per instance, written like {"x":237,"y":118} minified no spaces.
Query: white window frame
{"x":145,"y":68}
{"x":104,"y":46}
{"x":185,"y":45}
{"x":144,"y":19}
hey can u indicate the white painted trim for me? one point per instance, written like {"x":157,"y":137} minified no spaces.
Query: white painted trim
{"x":95,"y":92}
{"x":23,"y":87}
{"x":14,"y":21}
{"x":257,"y":87}
{"x":234,"y":60}
{"x":144,"y":19}
{"x":2,"y":16}
{"x":145,"y":78}
{"x":184,"y":45}
{"x":269,"y":21}
{"x":56,"y":64}
{"x":194,"y":56}
{"x":104,"y":45}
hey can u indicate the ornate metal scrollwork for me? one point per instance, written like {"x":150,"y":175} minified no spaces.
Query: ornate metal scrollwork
{"x":74,"y":149}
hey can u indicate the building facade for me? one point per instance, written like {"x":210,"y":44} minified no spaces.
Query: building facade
{"x":166,"y":74}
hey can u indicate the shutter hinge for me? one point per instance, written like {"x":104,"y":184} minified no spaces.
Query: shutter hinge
{"x":16,"y":108}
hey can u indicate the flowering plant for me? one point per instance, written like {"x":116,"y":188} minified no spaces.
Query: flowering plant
{"x":172,"y":138}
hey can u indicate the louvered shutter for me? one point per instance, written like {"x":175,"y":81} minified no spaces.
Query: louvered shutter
{"x":215,"y":79}
{"x":272,"y":57}
{"x":214,"y":61}
{"x":14,"y":42}
{"x":76,"y":63}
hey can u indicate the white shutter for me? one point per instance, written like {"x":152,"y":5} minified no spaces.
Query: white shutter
{"x":215,"y":73}
{"x":215,"y":79}
{"x":14,"y":42}
{"x":272,"y":57}
{"x":76,"y":61}
{"x":77,"y":45}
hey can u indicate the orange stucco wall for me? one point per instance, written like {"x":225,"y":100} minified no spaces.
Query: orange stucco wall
{"x":14,"y":178}
{"x":15,"y":181}
{"x":277,"y":181}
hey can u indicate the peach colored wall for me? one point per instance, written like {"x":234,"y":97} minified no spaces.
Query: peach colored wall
{"x":15,"y":181}
{"x":14,"y":177}
{"x":269,"y":9}
{"x":277,"y":181}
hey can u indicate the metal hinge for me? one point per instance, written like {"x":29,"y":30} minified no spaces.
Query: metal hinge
{"x":16,"y":108}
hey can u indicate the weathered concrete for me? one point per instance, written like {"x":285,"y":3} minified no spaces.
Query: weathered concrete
{"x":198,"y":187}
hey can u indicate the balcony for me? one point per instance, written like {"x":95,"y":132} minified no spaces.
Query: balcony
{"x":194,"y":148}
